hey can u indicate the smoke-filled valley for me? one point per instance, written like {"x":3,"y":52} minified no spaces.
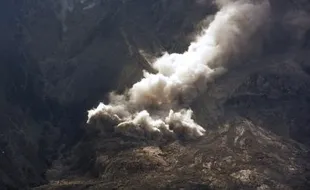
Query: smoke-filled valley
{"x":181,"y":77}
{"x":158,"y":94}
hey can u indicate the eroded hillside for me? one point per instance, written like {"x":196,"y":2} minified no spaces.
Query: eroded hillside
{"x":60,"y":58}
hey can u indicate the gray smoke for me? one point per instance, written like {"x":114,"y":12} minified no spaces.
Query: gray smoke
{"x":153,"y":106}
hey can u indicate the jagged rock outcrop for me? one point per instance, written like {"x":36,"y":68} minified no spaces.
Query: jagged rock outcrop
{"x":239,"y":155}
{"x":277,"y":97}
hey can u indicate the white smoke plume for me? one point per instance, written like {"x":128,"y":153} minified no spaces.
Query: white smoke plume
{"x":154,"y":106}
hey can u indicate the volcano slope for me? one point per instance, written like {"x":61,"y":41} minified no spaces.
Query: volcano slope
{"x":255,"y":115}
{"x":242,"y":148}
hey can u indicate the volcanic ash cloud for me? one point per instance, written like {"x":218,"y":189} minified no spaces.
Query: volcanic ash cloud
{"x":154,"y":106}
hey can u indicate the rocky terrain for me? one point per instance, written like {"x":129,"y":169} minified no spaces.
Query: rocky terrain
{"x":60,"y":58}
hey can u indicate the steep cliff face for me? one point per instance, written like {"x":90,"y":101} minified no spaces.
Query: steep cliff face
{"x":59,"y":58}
{"x":74,"y":42}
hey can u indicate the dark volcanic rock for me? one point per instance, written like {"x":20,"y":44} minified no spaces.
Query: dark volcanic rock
{"x":239,"y":155}
{"x":78,"y":42}
{"x":277,"y":97}
{"x":58,"y":58}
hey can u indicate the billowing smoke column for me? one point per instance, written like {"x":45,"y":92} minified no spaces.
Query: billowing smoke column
{"x":155,"y":106}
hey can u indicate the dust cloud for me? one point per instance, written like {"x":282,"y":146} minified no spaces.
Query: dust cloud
{"x":157,"y":105}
